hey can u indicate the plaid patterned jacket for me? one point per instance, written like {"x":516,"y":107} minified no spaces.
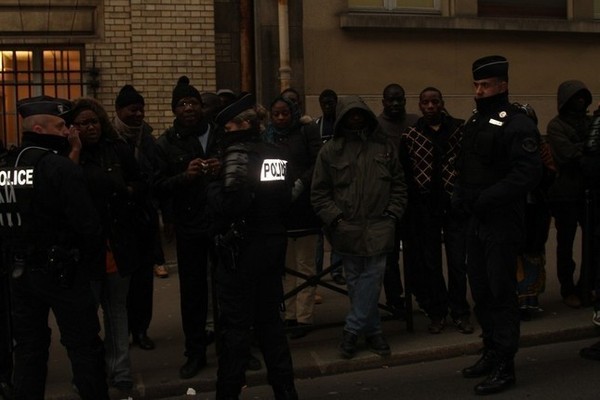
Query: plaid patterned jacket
{"x":429,"y":156}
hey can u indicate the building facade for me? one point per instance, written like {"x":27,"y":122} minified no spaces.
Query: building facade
{"x":359,"y":46}
{"x":73,"y":48}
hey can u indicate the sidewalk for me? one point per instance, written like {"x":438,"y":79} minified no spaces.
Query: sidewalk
{"x":156,"y":372}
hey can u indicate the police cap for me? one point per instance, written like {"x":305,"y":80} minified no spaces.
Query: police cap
{"x":245,"y":102}
{"x":43,"y":105}
{"x":490,"y":67}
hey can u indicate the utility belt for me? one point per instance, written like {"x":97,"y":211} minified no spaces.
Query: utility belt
{"x":228,"y":245}
{"x":58,"y":262}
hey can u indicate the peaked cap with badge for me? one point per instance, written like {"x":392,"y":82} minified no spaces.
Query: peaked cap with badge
{"x":45,"y":105}
{"x":244,"y":102}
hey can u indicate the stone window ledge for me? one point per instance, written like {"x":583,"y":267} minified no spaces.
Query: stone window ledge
{"x":387,"y":21}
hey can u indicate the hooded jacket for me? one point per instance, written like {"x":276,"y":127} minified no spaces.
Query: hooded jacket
{"x":358,"y":187}
{"x":566,"y":134}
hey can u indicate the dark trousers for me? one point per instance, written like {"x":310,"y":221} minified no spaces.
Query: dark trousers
{"x":492,"y":249}
{"x":392,"y":278}
{"x":334,"y":257}
{"x":158,"y":251}
{"x":140,"y":299}
{"x":424,"y":241}
{"x":251,"y":296}
{"x":192,"y":261}
{"x":6,"y":362}
{"x":33,"y":295}
{"x":567,"y":215}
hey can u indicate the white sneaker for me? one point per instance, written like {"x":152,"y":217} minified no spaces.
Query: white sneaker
{"x":596,"y":317}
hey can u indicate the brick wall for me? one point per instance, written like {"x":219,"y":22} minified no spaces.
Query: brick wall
{"x":150,"y":44}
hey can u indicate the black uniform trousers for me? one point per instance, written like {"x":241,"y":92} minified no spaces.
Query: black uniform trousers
{"x":492,"y":249}
{"x":424,"y":241}
{"x":251,"y":296}
{"x":192,"y":266}
{"x":34,"y":293}
{"x":6,"y":362}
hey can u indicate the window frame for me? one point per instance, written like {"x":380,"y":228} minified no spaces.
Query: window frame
{"x":392,"y":7}
{"x":36,"y":79}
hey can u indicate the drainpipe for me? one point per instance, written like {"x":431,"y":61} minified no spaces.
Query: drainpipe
{"x":247,"y":45}
{"x":285,"y":71}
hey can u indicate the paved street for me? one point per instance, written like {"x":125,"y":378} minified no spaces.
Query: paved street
{"x":550,"y":372}
{"x":316,"y":356}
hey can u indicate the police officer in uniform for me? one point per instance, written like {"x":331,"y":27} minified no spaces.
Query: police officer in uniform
{"x":249,"y":202}
{"x":499,"y":163}
{"x":51,"y":236}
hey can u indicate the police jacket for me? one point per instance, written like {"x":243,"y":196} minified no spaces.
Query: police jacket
{"x":255,"y":192}
{"x":58,"y":211}
{"x":117,"y":190}
{"x":358,"y":187}
{"x":176,"y":147}
{"x":499,"y":162}
{"x":302,"y":145}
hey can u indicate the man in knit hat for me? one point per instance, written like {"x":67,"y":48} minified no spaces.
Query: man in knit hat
{"x":129,"y":123}
{"x":498,"y":165}
{"x":186,"y":154}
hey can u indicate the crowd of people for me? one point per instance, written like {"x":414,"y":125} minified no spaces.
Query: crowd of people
{"x":251,"y":194}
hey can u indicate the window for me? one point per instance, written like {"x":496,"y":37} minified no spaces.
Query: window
{"x":415,"y":6}
{"x":34,"y":72}
{"x":522,"y":8}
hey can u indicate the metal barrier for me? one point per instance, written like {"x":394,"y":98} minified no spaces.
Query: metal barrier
{"x":317,"y":280}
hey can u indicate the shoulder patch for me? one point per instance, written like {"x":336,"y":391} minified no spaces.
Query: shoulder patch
{"x":273,"y":170}
{"x":530,"y":145}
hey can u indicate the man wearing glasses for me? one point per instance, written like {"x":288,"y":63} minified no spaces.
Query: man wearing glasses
{"x":186,"y":155}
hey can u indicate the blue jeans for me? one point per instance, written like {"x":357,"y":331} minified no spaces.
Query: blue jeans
{"x":111,"y":294}
{"x":364,"y":276}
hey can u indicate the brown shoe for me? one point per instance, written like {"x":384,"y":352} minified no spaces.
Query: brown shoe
{"x":572,"y":301}
{"x":318,"y":298}
{"x":161,"y":271}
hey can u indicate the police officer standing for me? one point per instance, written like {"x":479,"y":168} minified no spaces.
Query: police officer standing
{"x":51,"y":236}
{"x":249,"y":204}
{"x":499,"y":163}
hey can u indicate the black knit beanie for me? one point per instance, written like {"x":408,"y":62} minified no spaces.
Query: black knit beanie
{"x":183,"y":90}
{"x":128,"y":95}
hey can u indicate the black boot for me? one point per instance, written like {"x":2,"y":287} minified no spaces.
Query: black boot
{"x":501,"y":378}
{"x":285,"y":392}
{"x":483,"y":366}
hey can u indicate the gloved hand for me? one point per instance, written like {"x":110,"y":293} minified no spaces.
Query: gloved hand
{"x":297,"y":189}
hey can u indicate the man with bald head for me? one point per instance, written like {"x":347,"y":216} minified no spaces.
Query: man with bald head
{"x":51,"y":241}
{"x":394,"y":121}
